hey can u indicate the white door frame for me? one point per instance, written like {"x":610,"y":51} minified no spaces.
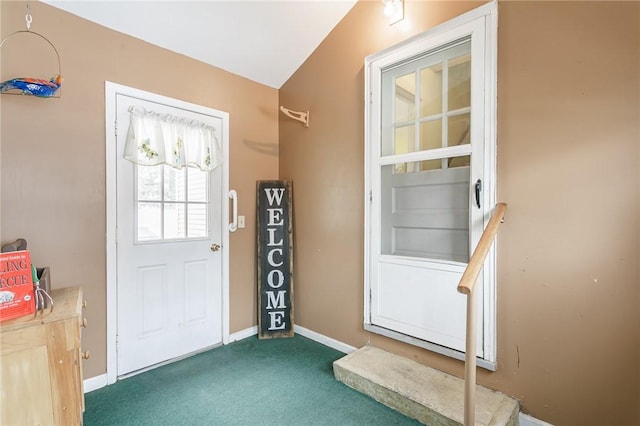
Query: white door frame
{"x":111,"y":90}
{"x":436,"y":36}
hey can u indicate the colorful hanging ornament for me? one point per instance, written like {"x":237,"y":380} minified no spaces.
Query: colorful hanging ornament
{"x":30,"y":85}
{"x":33,"y":86}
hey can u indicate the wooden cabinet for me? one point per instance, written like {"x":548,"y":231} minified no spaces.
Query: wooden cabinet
{"x":41,"y":365}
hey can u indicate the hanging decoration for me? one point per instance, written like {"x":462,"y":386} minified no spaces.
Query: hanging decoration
{"x":33,"y":86}
{"x":29,"y":85}
{"x":155,"y":138}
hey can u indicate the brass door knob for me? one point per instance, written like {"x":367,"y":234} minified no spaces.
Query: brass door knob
{"x":85,"y":355}
{"x":215,"y":247}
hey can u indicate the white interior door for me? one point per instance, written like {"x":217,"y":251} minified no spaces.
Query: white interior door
{"x":169,"y":254}
{"x":430,"y":180}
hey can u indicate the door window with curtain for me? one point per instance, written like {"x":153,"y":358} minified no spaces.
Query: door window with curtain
{"x":173,"y":157}
{"x":430,"y":182}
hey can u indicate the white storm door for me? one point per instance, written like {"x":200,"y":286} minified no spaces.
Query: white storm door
{"x":169,"y":259}
{"x":430,"y":187}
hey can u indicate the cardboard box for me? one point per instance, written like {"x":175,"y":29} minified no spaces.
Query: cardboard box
{"x":16,"y":285}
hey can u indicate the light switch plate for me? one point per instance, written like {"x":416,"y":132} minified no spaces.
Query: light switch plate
{"x":240,"y":221}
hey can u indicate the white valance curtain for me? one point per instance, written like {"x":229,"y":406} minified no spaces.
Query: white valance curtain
{"x":155,"y":138}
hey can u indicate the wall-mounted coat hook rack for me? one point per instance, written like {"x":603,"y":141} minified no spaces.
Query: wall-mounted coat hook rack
{"x":302,"y":117}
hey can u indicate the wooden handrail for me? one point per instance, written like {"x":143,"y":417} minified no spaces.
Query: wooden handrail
{"x":466,"y":286}
{"x":468,"y":280}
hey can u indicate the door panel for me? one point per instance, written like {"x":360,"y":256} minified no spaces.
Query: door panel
{"x":169,"y":281}
{"x":195,"y":279}
{"x":426,"y":214}
{"x":151,"y":283}
{"x":421,"y":300}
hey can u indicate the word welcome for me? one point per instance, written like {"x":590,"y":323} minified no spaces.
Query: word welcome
{"x":275,"y":273}
{"x":275,"y":300}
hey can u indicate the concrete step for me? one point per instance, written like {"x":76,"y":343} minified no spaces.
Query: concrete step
{"x":420,"y":392}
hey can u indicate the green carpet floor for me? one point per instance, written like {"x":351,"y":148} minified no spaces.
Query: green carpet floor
{"x":250,"y":382}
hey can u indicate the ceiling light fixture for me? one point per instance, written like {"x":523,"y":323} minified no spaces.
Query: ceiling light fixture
{"x":394,"y":10}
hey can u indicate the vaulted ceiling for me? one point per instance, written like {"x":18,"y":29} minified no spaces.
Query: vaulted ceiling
{"x":265,"y":41}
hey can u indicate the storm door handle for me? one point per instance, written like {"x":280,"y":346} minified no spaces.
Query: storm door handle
{"x":478,"y":188}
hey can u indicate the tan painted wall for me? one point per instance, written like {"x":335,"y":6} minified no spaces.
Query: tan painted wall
{"x":568,"y":165}
{"x":53,"y":154}
{"x":568,"y":109}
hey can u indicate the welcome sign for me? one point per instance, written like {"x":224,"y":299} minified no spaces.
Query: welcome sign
{"x":275,"y":259}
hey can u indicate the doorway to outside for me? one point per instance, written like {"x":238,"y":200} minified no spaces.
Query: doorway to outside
{"x":167,"y":242}
{"x":430,"y":184}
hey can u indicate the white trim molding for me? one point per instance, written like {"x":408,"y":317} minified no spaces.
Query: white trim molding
{"x":94,"y":383}
{"x":243,"y":334}
{"x":325,"y":340}
{"x":305,"y":332}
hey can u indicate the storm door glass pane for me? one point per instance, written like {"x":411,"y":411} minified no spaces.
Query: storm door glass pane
{"x":459,"y":82}
{"x":405,"y":143}
{"x":425,"y":202}
{"x":431,"y":90}
{"x":405,"y":98}
{"x":459,"y":130}
{"x":430,"y":138}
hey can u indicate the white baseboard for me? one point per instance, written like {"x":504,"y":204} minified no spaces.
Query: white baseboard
{"x":526,"y":420}
{"x":317,"y":337}
{"x":321,"y":338}
{"x":243,"y":334}
{"x":94,"y":383}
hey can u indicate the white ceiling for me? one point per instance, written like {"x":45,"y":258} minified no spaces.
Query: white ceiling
{"x":262,"y":40}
